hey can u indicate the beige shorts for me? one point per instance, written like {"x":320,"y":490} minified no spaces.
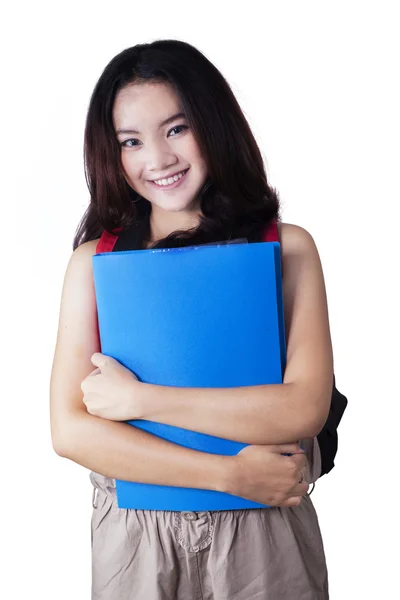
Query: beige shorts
{"x":256,"y":554}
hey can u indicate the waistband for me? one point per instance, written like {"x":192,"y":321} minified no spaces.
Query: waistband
{"x":102,"y":485}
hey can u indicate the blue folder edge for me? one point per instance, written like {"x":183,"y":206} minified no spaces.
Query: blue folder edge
{"x":279,"y":300}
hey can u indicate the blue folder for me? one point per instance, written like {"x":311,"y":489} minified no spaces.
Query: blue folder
{"x":206,"y":316}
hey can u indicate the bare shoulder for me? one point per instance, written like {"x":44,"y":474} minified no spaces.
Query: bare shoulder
{"x":85,"y":251}
{"x":294,"y":237}
{"x":78,"y":276}
{"x":78,"y":298}
{"x":301,"y":264}
{"x":80,"y":262}
{"x":299,"y":253}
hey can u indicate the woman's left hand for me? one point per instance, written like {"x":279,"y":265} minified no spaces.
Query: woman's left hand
{"x":111,"y":391}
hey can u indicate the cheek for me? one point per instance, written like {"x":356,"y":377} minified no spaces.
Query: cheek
{"x":193,"y":152}
{"x":130,"y":168}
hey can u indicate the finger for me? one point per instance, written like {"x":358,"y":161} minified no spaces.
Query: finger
{"x":300,"y":461}
{"x":300,"y":489}
{"x":296,"y":495}
{"x":287,"y":449}
{"x":292,"y":502}
{"x":100,"y":360}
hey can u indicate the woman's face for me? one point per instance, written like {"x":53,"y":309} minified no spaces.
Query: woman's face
{"x":157,"y":145}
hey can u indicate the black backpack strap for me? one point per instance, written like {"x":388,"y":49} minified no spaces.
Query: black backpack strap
{"x":328,"y":437}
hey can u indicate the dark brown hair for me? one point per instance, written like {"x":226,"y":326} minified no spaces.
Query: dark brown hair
{"x":236,"y":199}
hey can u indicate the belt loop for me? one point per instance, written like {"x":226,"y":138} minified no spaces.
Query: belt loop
{"x":94,"y":497}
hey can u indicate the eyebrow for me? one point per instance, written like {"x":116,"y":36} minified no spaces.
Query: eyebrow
{"x":179,"y":115}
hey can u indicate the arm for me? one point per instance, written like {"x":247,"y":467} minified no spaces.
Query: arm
{"x":114,"y":449}
{"x":267,"y":414}
{"x":120,"y":451}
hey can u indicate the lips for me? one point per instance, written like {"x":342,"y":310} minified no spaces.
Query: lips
{"x":183,"y":171}
{"x":172,"y":185}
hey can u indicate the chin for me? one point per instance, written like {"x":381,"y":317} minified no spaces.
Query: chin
{"x":176,"y":208}
{"x":174,"y":205}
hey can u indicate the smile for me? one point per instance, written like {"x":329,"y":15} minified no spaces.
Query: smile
{"x":171,"y":182}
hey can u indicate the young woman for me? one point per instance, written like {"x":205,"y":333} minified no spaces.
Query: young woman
{"x":171,"y":161}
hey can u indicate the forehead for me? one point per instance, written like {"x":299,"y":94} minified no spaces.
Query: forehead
{"x":144,"y":105}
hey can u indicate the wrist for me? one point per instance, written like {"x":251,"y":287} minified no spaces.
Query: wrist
{"x":157,"y":402}
{"x":143,"y":401}
{"x":224,"y":474}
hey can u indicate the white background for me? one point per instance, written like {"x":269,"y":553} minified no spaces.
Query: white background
{"x":318,"y":82}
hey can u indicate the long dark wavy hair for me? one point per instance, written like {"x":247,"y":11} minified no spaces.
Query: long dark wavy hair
{"x":236,"y":200}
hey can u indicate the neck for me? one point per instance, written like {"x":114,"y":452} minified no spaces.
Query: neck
{"x":163,"y":223}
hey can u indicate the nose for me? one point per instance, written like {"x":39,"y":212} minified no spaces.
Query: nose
{"x":159,"y":157}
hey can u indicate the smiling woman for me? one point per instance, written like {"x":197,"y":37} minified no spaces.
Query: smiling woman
{"x":171,"y":161}
{"x":164,"y":155}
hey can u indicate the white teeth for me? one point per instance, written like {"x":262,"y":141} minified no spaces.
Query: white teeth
{"x":169,"y":180}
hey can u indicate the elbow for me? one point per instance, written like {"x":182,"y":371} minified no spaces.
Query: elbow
{"x":314,"y":421}
{"x":59,"y":442}
{"x":311,"y":429}
{"x":63,"y":436}
{"x":304,"y":428}
{"x":59,"y":448}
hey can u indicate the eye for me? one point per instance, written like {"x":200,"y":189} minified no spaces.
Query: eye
{"x":178,"y":127}
{"x":128,"y":145}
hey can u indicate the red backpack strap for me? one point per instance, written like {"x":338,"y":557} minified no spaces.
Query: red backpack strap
{"x":271,"y":233}
{"x":107,"y":241}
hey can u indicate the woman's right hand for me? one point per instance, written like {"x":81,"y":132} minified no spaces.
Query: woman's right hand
{"x":262,"y":474}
